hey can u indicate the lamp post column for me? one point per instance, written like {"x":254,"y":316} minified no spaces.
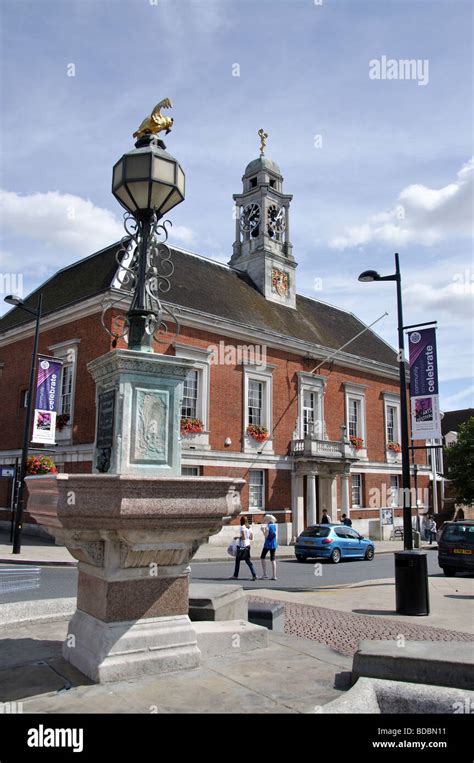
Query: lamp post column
{"x":26,"y":436}
{"x":140,"y":315}
{"x":407,"y":528}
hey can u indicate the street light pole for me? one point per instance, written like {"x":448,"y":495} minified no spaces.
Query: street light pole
{"x":372,"y":275}
{"x":411,"y":572}
{"x":415,"y":481}
{"x":407,"y":527}
{"x":19,"y":505}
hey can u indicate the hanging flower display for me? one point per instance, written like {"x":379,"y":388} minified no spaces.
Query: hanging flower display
{"x":40,"y":465}
{"x":258,"y":433}
{"x":357,"y":442}
{"x":395,"y":446}
{"x":191,"y":426}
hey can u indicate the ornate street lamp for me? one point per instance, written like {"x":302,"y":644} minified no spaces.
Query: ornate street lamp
{"x":147,"y":182}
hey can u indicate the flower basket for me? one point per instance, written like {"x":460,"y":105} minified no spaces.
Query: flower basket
{"x":191,"y":426}
{"x":62,"y":420}
{"x":357,"y":442}
{"x":40,"y":465}
{"x":395,"y":446}
{"x":258,"y":433}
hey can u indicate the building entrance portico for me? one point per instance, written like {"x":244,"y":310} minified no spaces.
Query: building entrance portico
{"x":315,"y":490}
{"x":317,"y":464}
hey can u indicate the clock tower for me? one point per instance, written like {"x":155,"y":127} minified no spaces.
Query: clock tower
{"x":262,"y":245}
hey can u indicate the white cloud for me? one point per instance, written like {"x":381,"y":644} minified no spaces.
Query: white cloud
{"x":64,"y":222}
{"x":465,"y":395}
{"x":421,"y":215}
{"x":180,"y":234}
{"x":67,"y":226}
{"x":6,"y":260}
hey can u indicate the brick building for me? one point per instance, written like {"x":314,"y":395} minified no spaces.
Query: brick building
{"x":263,"y":356}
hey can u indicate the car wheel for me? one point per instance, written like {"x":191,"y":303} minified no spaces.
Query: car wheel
{"x":300,"y":558}
{"x":370,"y":553}
{"x":336,"y":556}
{"x":449,"y":572}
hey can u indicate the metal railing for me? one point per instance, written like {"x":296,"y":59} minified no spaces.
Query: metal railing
{"x":310,"y":446}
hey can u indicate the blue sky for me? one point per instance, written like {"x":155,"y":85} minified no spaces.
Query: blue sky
{"x":391,"y":171}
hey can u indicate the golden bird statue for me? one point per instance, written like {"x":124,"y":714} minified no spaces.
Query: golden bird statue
{"x":156,"y":122}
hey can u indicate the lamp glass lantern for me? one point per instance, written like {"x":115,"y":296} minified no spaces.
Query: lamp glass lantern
{"x":148,"y":179}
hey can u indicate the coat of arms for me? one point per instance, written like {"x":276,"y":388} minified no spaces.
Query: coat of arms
{"x":280,"y":282}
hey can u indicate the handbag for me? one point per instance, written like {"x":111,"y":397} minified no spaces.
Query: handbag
{"x":232,"y":549}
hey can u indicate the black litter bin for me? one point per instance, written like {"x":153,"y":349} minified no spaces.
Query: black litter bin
{"x":411,"y":583}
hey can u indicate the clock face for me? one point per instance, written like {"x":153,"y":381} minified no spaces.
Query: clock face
{"x":250,"y":217}
{"x":276,"y":218}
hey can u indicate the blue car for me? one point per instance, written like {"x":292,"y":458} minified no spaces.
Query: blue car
{"x":334,"y":542}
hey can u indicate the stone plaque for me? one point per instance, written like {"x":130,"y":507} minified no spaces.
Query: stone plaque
{"x":105,"y":419}
{"x":150,"y":426}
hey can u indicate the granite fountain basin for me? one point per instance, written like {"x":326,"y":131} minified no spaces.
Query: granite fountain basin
{"x":134,"y":537}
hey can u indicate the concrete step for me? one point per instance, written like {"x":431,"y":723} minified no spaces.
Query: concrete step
{"x":212,"y":601}
{"x":440,"y":663}
{"x":216,"y":639}
{"x":374,"y":695}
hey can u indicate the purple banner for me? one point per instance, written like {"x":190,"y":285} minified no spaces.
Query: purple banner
{"x":423,"y":362}
{"x":47,"y":384}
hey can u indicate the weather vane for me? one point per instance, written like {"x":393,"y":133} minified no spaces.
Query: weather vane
{"x":156,"y":122}
{"x":263,"y":140}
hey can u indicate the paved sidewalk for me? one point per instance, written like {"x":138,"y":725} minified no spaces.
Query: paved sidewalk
{"x":314,"y":658}
{"x":33,"y":672}
{"x":451,"y":607}
{"x":36,"y":550}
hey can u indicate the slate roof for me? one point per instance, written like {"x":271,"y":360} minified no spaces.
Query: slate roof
{"x":452,"y":420}
{"x":75,"y":283}
{"x":209,"y":287}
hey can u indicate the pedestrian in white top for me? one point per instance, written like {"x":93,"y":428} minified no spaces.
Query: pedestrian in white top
{"x":243,"y":548}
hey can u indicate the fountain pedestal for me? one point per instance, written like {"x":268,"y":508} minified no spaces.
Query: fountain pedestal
{"x":134,"y":525}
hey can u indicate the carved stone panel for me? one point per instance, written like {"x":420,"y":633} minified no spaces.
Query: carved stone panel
{"x":150,"y":413}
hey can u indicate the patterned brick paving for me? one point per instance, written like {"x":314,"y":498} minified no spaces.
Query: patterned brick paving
{"x":342,"y":630}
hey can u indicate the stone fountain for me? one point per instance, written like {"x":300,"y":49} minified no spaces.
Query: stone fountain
{"x":135,"y":523}
{"x":134,"y":530}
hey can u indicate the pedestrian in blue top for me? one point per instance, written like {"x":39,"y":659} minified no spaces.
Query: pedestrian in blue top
{"x":270,"y":545}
